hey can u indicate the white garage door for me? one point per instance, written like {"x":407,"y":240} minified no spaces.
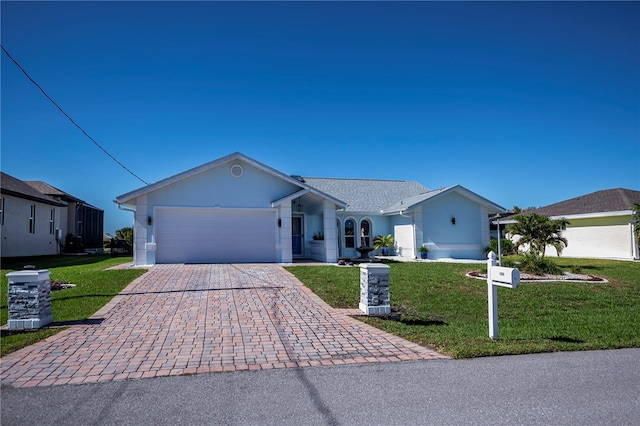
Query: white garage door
{"x":215,"y":236}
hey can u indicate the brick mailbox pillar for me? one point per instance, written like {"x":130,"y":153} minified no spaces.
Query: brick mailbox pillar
{"x":29,"y":299}
{"x":374,"y":289}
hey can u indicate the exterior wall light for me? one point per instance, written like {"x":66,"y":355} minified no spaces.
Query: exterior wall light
{"x":453,"y":220}
{"x":149,"y":220}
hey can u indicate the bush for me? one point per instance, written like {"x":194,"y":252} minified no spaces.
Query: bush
{"x":506,"y":246}
{"x":532,"y":264}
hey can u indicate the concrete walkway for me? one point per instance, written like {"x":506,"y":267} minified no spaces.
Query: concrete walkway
{"x":188,"y":319}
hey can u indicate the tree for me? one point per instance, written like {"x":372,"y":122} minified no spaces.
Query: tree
{"x":125,"y":234}
{"x":538,"y":232}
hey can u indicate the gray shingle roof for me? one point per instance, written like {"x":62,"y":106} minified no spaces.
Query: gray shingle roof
{"x":408,"y":202}
{"x":608,"y":200}
{"x":51,"y":190}
{"x":367,"y":195}
{"x":13,"y":186}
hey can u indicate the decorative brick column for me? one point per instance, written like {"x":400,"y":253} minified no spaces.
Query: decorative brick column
{"x":374,"y":289}
{"x":29,"y":299}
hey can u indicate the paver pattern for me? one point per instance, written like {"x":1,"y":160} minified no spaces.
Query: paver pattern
{"x":188,"y":319}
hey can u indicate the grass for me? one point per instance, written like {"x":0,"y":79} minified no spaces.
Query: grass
{"x":95,"y":286}
{"x":442,"y":308}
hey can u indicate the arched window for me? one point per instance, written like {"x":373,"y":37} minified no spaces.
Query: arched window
{"x":365,"y":233}
{"x":349,"y":233}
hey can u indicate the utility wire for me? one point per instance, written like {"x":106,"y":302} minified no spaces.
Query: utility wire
{"x":71,"y":119}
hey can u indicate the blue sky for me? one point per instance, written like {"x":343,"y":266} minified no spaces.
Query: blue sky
{"x":524,"y":103}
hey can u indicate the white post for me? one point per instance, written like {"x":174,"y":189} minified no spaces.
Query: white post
{"x":499,"y":238}
{"x":493,"y":297}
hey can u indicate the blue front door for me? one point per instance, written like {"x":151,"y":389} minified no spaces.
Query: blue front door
{"x":297,"y":235}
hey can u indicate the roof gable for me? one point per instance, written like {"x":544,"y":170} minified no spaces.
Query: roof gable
{"x":608,"y":200}
{"x":366,"y":195}
{"x":237,"y":156}
{"x":411,"y":202}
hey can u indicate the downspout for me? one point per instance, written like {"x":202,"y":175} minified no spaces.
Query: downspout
{"x":413,"y":232}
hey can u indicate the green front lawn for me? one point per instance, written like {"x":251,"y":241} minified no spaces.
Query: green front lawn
{"x":442,"y":308}
{"x":95,"y":286}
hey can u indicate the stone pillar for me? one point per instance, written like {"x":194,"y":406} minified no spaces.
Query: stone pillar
{"x":374,"y":289}
{"x":29,"y":299}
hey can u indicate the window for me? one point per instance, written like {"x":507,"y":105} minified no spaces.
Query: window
{"x":365,"y":233}
{"x":52,"y":221}
{"x":2,"y":211}
{"x":32,"y":219}
{"x":349,"y":233}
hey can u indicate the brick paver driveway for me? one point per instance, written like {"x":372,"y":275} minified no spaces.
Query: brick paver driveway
{"x":186,"y":319}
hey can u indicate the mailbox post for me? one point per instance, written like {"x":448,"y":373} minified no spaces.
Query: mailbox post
{"x":498,"y":276}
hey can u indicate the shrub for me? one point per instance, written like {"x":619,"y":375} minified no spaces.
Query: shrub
{"x":532,"y":264}
{"x":506,"y":246}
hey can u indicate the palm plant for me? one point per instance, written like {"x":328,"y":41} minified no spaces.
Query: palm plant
{"x":538,"y":232}
{"x":383,"y":241}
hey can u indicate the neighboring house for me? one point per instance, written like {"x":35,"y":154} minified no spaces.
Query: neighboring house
{"x":85,"y":223}
{"x":601,"y":224}
{"x":236,"y":209}
{"x":34,"y":223}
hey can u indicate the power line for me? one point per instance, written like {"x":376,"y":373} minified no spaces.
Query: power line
{"x":71,"y":119}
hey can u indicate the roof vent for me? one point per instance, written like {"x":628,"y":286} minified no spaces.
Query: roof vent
{"x":298,"y":178}
{"x":236,"y":170}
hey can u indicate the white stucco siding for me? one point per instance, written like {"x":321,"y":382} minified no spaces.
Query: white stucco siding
{"x":283,"y":243}
{"x":142,"y":234}
{"x":462,"y":240}
{"x":16,"y":238}
{"x":405,"y":246}
{"x":597,"y":237}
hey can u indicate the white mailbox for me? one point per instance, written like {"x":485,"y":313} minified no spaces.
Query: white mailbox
{"x":505,"y":277}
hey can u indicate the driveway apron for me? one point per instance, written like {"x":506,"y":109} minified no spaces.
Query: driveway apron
{"x":188,"y":319}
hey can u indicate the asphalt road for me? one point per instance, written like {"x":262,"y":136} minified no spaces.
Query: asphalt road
{"x":577,"y":388}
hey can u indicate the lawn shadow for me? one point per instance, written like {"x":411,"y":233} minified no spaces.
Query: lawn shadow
{"x":397,"y":317}
{"x":427,"y":322}
{"x":564,"y":339}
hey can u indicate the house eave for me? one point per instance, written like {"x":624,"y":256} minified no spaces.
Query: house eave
{"x":569,"y":217}
{"x":290,"y":197}
{"x":457,"y":188}
{"x":594,"y":215}
{"x":51,"y":201}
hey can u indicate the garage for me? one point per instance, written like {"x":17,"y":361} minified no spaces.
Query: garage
{"x":201,"y":235}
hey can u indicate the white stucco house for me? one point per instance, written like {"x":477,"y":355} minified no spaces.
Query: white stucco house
{"x":601,"y":224}
{"x":36,"y":219}
{"x":236,"y":209}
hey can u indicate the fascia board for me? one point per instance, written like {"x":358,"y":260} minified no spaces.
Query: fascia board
{"x":457,"y":188}
{"x":576,"y":216}
{"x":594,"y":215}
{"x":49,"y":200}
{"x":290,"y":197}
